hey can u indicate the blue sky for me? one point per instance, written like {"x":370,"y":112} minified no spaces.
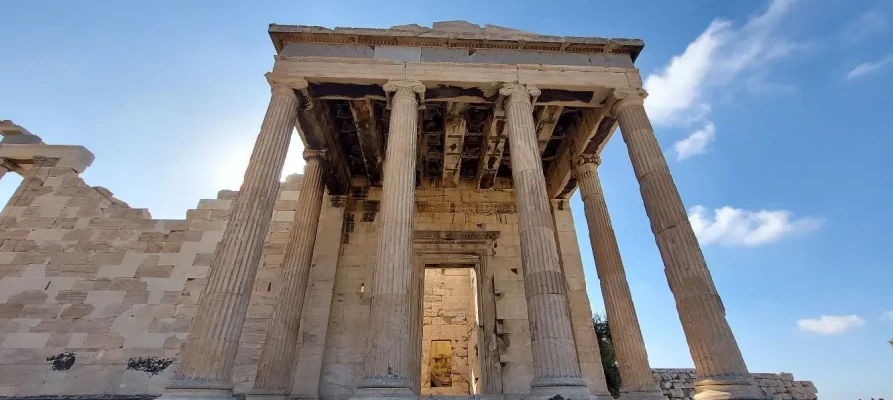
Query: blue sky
{"x":774,"y":117}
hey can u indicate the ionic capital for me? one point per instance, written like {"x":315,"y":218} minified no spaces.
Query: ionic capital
{"x":414,"y":90}
{"x":584,"y":159}
{"x":622,"y":98}
{"x":513,"y":92}
{"x":318,"y":156}
{"x":283,"y":84}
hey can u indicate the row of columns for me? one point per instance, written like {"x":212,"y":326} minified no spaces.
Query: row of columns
{"x":721,"y":371}
{"x":210,"y":350}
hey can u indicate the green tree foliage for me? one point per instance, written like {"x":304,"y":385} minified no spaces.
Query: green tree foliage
{"x":606,"y":346}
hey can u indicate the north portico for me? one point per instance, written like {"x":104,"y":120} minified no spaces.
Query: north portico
{"x":462,"y":114}
{"x":428,"y":250}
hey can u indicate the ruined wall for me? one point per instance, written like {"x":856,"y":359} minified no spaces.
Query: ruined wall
{"x":448,"y":315}
{"x":96,"y":297}
{"x":678,"y":384}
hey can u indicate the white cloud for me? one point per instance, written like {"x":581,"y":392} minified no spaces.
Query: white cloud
{"x":715,"y":58}
{"x":868,"y":68}
{"x":696,"y":143}
{"x":831,"y":324}
{"x":887,"y":316}
{"x":874,"y":21}
{"x":731,"y":226}
{"x":677,"y":89}
{"x":679,"y":92}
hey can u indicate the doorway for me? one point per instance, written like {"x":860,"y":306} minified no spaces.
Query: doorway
{"x":467,"y":251}
{"x":451,"y":329}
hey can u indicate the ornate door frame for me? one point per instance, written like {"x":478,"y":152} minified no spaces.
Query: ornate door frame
{"x":459,"y":247}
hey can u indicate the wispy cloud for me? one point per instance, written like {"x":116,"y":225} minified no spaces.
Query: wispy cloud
{"x":831,"y":324}
{"x":679,"y":92}
{"x":887,"y":315}
{"x":868,"y":68}
{"x":872,"y":22}
{"x":696,"y":143}
{"x":730,"y":226}
{"x":676,"y":91}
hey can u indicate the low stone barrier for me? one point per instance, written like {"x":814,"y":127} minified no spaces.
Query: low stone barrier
{"x":678,"y":384}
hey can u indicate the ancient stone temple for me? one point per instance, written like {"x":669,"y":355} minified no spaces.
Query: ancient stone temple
{"x":428,"y":248}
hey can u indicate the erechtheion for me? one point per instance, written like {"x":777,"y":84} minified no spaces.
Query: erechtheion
{"x":428,"y":249}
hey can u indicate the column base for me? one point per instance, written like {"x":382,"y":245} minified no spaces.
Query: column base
{"x":643,"y":395}
{"x":728,"y":388}
{"x":563,"y":393}
{"x":198,"y":390}
{"x":266,"y":394}
{"x":383,"y":394}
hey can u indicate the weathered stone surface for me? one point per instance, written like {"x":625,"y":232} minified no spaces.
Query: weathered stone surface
{"x":387,"y":365}
{"x":715,"y":352}
{"x":555,"y":359}
{"x":679,"y":384}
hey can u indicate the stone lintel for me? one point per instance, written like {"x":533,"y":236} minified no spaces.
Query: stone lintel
{"x":546,"y":119}
{"x":587,"y":133}
{"x":369,"y":137}
{"x":318,"y":132}
{"x":367,"y":71}
{"x":492,"y":147}
{"x":77,"y":158}
{"x":454,"y":94}
{"x":453,"y":140}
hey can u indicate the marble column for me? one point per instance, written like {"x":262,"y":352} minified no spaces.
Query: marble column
{"x":277,"y":357}
{"x":387,"y":364}
{"x":556,"y":369}
{"x":635,"y":373}
{"x":3,"y":169}
{"x":720,"y":367}
{"x":210,"y":350}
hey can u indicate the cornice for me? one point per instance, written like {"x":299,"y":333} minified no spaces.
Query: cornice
{"x":281,"y":34}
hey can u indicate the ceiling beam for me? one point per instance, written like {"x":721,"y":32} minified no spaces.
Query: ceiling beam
{"x":315,"y":125}
{"x":492,"y":147}
{"x":560,"y":183}
{"x":546,"y":119}
{"x":453,"y":140}
{"x":471,"y":100}
{"x":369,"y":137}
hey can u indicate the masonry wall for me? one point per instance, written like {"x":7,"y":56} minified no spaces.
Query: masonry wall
{"x":678,"y":384}
{"x":96,"y":297}
{"x":452,"y":210}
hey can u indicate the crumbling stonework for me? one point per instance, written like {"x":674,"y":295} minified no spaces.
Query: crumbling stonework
{"x":678,"y":384}
{"x":82,"y":272}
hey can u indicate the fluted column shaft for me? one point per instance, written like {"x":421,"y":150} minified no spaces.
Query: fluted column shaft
{"x":210,"y":351}
{"x":629,"y":346}
{"x":718,"y":361}
{"x":552,"y":339}
{"x":387,"y":365}
{"x":278,"y":355}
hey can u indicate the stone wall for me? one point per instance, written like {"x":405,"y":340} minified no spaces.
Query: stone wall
{"x":448,"y":314}
{"x":678,"y":384}
{"x":96,"y":297}
{"x":462,"y":211}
